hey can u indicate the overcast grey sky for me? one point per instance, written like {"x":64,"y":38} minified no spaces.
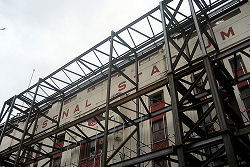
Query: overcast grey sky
{"x":46,"y":34}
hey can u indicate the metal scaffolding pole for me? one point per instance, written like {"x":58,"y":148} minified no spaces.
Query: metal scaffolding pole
{"x":105,"y":140}
{"x":173,"y":94}
{"x":183,"y":61}
{"x":137,"y":106}
{"x":7,"y":120}
{"x":232,"y":160}
{"x":26,"y":125}
{"x":2,"y":111}
{"x":57,"y":125}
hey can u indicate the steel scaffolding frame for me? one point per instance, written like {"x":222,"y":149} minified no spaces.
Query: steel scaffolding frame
{"x":121,"y":50}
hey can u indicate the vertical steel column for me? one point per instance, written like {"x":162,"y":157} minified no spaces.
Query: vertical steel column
{"x":137,"y":106}
{"x":2,"y":111}
{"x":34,"y":127}
{"x":173,"y":94}
{"x":232,"y":160}
{"x":57,"y":125}
{"x":7,"y":120}
{"x":215,"y":93}
{"x":60,"y":112}
{"x":26,"y":124}
{"x":105,"y":140}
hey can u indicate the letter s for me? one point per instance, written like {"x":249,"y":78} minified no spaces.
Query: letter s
{"x":122,"y":86}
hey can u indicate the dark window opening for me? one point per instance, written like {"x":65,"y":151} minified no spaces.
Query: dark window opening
{"x":60,"y":138}
{"x":59,"y":144}
{"x":239,"y":69}
{"x":92,"y":149}
{"x":39,"y":148}
{"x":57,"y":162}
{"x":158,"y":130}
{"x":156,"y":98}
{"x":91,"y":153}
{"x":245,"y":96}
{"x":159,"y":123}
{"x":100,"y":146}
{"x":161,"y":163}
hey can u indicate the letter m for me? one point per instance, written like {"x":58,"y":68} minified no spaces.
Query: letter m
{"x":230,"y":31}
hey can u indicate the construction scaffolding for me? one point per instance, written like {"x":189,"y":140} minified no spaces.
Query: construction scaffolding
{"x":226,"y":145}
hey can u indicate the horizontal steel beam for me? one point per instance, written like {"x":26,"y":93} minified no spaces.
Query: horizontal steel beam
{"x":168,"y":151}
{"x":145,"y":157}
{"x":37,"y":138}
{"x":112,"y":130}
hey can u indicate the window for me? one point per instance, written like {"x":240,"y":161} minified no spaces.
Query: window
{"x":239,"y":69}
{"x":59,"y":144}
{"x":29,"y":156}
{"x":160,"y":163}
{"x":60,"y":138}
{"x":156,"y":99}
{"x":158,"y":130}
{"x":57,"y":162}
{"x":91,"y":153}
{"x":156,"y":103}
{"x":37,"y":154}
{"x":159,"y":124}
{"x":92,"y":149}
{"x":100,"y":146}
{"x":245,"y":96}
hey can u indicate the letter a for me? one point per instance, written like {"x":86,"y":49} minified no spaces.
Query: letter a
{"x":154,"y":70}
{"x":77,"y":108}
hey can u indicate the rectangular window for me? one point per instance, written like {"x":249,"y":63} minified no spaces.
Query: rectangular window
{"x":91,"y":153}
{"x":59,"y":144}
{"x":159,"y":124}
{"x":239,"y":69}
{"x":156,"y":103}
{"x":156,"y":99}
{"x":245,"y":96}
{"x":57,"y":162}
{"x":92,"y":149}
{"x":158,"y":130}
{"x":37,"y":154}
{"x":100,"y":146}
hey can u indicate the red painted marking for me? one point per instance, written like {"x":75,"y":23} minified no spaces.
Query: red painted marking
{"x":87,"y":104}
{"x":229,"y":31}
{"x":154,"y":70}
{"x":122,"y":86}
